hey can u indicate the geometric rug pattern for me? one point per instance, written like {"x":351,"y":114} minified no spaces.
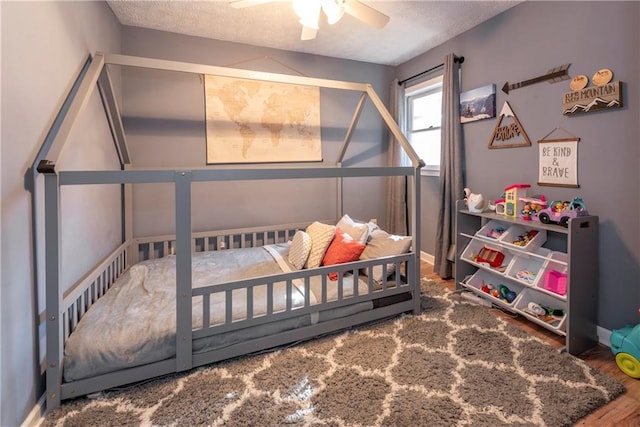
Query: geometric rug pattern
{"x":454,"y":364}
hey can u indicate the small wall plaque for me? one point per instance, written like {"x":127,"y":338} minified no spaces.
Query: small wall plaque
{"x":508,"y":132}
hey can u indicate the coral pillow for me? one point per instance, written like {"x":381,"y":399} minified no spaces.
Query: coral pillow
{"x":342,"y":249}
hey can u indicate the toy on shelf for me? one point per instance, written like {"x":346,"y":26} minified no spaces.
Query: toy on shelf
{"x":512,"y":195}
{"x":496,"y":232}
{"x":475,"y":202}
{"x":524,"y":238}
{"x":531,"y":206}
{"x":501,"y":292}
{"x":625,"y":345}
{"x":490,"y":257}
{"x":526,"y":276}
{"x":550,"y":315}
{"x":560,"y":212}
{"x":509,"y":204}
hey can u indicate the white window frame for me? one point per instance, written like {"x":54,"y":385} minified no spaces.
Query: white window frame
{"x":424,"y":88}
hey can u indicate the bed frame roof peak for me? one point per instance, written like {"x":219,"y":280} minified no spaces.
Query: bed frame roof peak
{"x":95,"y":74}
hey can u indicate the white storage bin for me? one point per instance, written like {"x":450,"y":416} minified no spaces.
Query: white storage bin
{"x":528,"y":239}
{"x":476,"y":247}
{"x":482,"y":278}
{"x":556,"y":322}
{"x":553,"y":277}
{"x":526,"y":269}
{"x":494,"y":229}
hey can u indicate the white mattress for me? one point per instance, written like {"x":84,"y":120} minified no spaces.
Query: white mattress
{"x":135,"y":322}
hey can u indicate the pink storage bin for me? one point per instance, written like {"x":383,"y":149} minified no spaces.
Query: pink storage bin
{"x":556,"y":282}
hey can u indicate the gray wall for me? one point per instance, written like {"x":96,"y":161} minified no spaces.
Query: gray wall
{"x":523,"y":43}
{"x":44,"y":45}
{"x":164,"y":120}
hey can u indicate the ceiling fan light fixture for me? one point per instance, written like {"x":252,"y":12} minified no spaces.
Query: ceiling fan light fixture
{"x":334,"y":9}
{"x":308,"y":12}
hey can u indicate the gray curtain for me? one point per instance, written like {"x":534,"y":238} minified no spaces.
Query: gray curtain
{"x":451,"y":169}
{"x":397,"y":201}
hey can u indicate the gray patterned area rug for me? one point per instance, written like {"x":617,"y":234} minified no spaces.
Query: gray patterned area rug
{"x":455,"y":364}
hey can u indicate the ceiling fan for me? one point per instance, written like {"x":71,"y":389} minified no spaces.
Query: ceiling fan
{"x":308,"y":12}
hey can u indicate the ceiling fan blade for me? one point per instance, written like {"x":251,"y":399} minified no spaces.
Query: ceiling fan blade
{"x":308,"y":33}
{"x":240,"y":4}
{"x":365,"y":13}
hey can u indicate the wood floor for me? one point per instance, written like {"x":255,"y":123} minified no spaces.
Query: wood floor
{"x":624,"y":411}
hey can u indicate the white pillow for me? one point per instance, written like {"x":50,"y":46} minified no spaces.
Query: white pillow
{"x":321,"y":236}
{"x":359,"y":231}
{"x":384,"y":244}
{"x":299,"y":249}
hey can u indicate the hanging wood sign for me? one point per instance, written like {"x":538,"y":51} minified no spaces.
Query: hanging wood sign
{"x":602,"y":96}
{"x":558,"y":165}
{"x":508,"y":132}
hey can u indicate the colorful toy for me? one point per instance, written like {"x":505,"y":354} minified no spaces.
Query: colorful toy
{"x":625,"y":345}
{"x":525,"y":238}
{"x":507,"y":294}
{"x":490,"y":256}
{"x":531,"y":206}
{"x":560,"y":212}
{"x":495,"y":233}
{"x":526,"y":276}
{"x":501,"y":292}
{"x":512,"y":196}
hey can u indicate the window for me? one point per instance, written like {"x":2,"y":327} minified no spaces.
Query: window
{"x":424,"y":120}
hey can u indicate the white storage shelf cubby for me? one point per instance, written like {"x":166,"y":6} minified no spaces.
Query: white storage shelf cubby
{"x":481,"y":279}
{"x":555,"y":316}
{"x":526,"y":238}
{"x":546,"y":267}
{"x":473,"y":254}
{"x":527,"y":268}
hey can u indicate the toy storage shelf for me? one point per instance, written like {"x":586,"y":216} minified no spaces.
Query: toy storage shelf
{"x":512,"y":263}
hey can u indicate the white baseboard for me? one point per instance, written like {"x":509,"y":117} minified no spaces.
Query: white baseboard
{"x":604,"y":336}
{"x":425,"y":257}
{"x":36,"y":416}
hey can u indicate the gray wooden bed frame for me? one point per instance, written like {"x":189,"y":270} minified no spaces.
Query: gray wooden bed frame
{"x":64,"y":309}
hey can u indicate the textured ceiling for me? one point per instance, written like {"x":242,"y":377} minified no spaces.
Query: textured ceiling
{"x":415,"y":26}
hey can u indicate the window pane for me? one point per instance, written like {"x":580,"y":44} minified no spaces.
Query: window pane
{"x":427,"y":110}
{"x":427,"y":145}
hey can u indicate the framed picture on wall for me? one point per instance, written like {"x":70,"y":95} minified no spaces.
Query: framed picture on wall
{"x":251,"y":121}
{"x":478,"y":104}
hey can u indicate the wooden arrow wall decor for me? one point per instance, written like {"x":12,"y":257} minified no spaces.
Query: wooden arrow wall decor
{"x":554,"y":75}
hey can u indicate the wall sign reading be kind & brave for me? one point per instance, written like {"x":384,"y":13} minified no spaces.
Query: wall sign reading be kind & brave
{"x":558,"y":164}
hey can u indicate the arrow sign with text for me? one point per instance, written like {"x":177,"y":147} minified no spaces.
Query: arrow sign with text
{"x":553,"y":75}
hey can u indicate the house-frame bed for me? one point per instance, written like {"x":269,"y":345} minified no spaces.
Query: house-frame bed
{"x":398,"y":293}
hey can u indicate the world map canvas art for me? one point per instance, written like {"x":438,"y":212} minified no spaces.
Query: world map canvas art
{"x":252,"y":121}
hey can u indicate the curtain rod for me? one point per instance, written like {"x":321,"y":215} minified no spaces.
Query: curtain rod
{"x":455,"y":59}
